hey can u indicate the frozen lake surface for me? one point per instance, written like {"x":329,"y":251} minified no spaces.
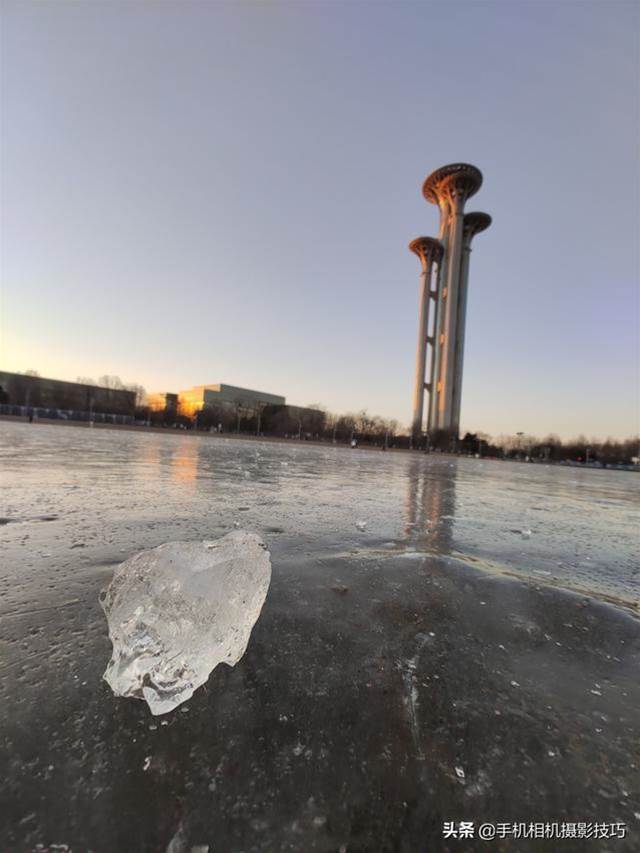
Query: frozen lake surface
{"x":76,"y":496}
{"x":442,"y":640}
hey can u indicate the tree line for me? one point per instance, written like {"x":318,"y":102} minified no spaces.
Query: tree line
{"x":552,"y":448}
{"x":309,"y":423}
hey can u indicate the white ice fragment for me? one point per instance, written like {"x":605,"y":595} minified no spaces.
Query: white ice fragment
{"x":175,"y":612}
{"x":179,"y":844}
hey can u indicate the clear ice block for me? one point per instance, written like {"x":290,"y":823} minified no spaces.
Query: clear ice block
{"x":175,"y":612}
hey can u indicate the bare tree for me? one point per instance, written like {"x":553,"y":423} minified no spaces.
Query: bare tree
{"x":113,"y":382}
{"x":141,"y":394}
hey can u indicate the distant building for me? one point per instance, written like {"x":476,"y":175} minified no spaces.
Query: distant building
{"x":39,"y":393}
{"x":225,"y":397}
{"x":228,"y":406}
{"x":163,"y":402}
{"x":293,"y":421}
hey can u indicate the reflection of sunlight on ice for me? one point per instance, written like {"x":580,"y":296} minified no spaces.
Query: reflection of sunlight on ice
{"x":184,"y":467}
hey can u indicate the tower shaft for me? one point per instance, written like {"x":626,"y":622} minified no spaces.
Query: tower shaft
{"x":430,"y":253}
{"x":449,"y":297}
{"x":421,"y":352}
{"x":461,"y":325}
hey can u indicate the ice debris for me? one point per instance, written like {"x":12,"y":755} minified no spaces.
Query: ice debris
{"x":175,"y":612}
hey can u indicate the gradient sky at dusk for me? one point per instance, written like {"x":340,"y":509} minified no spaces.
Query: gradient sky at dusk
{"x":206,"y":192}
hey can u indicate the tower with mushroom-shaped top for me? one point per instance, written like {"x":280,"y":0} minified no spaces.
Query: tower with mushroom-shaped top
{"x":443,"y":299}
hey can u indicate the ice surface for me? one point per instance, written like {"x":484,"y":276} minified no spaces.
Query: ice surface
{"x":585,"y":519}
{"x":175,"y":612}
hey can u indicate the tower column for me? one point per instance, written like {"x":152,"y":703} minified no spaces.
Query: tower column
{"x":429,"y":251}
{"x":421,"y":353}
{"x":474,"y":223}
{"x":450,"y":305}
{"x":432,"y":420}
{"x":459,"y":353}
{"x":445,"y":237}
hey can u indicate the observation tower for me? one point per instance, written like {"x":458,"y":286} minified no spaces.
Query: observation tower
{"x":444,"y":281}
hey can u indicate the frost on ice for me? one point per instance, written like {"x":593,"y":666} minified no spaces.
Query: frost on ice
{"x":175,"y":612}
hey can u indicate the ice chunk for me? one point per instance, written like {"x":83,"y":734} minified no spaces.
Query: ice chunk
{"x":175,"y":612}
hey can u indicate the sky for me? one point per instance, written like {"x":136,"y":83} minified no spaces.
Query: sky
{"x":202,"y":192}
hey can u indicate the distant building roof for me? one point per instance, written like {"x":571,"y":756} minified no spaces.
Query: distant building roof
{"x":222,"y":392}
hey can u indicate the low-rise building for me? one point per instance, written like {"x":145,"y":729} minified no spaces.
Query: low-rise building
{"x":38,"y":392}
{"x":163,"y":402}
{"x":222,"y":396}
{"x":230,"y":408}
{"x":290,"y":420}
